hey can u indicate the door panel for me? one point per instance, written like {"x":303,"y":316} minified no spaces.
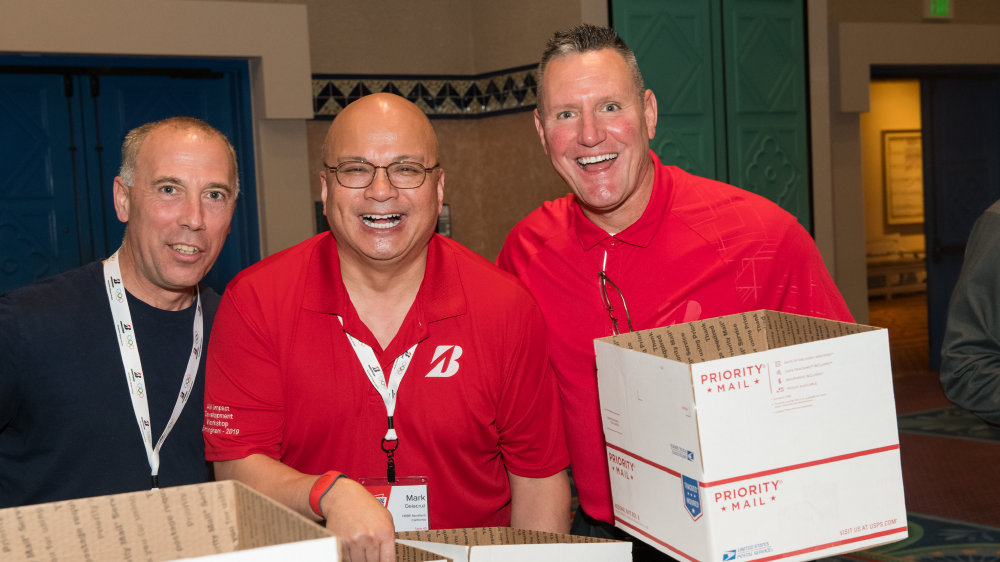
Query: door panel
{"x":672,"y":41}
{"x":961,"y":139}
{"x":766,"y":113}
{"x":39,"y":231}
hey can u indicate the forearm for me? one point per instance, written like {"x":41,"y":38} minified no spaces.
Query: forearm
{"x":540,"y":504}
{"x":273,"y":479}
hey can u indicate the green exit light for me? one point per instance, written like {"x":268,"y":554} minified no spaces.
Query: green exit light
{"x":938,"y":8}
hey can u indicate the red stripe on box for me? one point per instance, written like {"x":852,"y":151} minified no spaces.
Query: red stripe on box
{"x":802,"y":465}
{"x":776,"y":556}
{"x":833,"y":544}
{"x":762,"y":473}
{"x":647,"y":461}
{"x":651,"y":537}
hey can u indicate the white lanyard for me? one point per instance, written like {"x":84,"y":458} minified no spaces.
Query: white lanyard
{"x":129,"y":347}
{"x":388,"y":391}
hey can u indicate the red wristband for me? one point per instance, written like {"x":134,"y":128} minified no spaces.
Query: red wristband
{"x":321,"y":487}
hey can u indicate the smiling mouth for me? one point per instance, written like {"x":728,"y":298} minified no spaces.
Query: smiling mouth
{"x":585,"y":161}
{"x":381,"y":221}
{"x":185,"y":249}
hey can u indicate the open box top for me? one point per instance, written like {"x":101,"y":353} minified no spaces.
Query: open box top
{"x":164,"y":524}
{"x":733,"y":335}
{"x":497,"y":544}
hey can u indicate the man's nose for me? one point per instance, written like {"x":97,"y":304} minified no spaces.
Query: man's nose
{"x":590,"y":132}
{"x":193,"y":213}
{"x":381,"y":189}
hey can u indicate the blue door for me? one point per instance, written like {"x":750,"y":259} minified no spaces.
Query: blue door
{"x":39,"y":230}
{"x":961,"y":139}
{"x":56,"y":204}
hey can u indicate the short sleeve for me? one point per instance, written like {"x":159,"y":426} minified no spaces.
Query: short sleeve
{"x":244,"y":402}
{"x":529,"y":413}
{"x":970,"y":354}
{"x":800,"y":283}
{"x":9,"y":346}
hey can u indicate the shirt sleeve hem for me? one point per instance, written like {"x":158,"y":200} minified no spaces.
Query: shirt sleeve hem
{"x":551,"y":469}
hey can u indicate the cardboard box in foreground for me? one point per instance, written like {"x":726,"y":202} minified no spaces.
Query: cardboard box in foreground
{"x":169,"y":524}
{"x":502,"y":544}
{"x":758,"y":436}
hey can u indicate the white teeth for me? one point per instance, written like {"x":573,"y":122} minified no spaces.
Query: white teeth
{"x":369,"y":220}
{"x":189,"y":250}
{"x":595,"y":159}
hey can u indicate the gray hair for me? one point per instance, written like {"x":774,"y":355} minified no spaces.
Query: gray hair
{"x":135,"y":138}
{"x":585,"y":38}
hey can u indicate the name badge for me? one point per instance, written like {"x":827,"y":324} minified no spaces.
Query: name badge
{"x":406,"y":500}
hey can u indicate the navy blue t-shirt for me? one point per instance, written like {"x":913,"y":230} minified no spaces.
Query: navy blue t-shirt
{"x":67,"y":427}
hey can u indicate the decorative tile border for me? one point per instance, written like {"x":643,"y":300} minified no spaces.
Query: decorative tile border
{"x":440,"y":97}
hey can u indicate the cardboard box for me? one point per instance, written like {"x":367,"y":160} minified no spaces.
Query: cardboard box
{"x":501,"y":544}
{"x":758,"y":436}
{"x":169,"y":524}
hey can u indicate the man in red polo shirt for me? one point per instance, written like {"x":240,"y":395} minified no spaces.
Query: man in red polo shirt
{"x":678,"y":247}
{"x":386,"y":352}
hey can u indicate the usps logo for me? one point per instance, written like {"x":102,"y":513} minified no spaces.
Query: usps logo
{"x":682,"y":452}
{"x":692,"y":497}
{"x":728,"y":555}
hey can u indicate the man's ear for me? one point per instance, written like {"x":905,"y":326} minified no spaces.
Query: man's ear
{"x":541,"y":132}
{"x":440,"y":190}
{"x":650,"y":113}
{"x":322,"y":191}
{"x":121,"y":192}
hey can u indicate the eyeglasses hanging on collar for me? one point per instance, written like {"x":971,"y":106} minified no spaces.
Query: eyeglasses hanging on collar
{"x":607,"y":303}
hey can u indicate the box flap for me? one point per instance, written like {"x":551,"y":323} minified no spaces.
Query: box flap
{"x":784,"y":329}
{"x":481,"y":536}
{"x":262,"y":521}
{"x":733,"y":335}
{"x":164,"y":524}
{"x":462,"y":537}
{"x":703,"y":340}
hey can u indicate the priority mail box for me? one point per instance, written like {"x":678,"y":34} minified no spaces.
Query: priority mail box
{"x":758,"y":436}
{"x":503,"y":544}
{"x":219,"y":520}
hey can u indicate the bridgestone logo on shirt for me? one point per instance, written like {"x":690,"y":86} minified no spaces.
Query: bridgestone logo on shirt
{"x":448,"y":364}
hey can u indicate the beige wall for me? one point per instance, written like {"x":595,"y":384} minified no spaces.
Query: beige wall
{"x":895,"y":106}
{"x":911,"y":11}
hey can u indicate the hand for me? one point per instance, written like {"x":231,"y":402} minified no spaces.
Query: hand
{"x":359,"y":521}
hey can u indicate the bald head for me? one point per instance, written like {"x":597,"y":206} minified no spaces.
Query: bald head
{"x":383,"y":120}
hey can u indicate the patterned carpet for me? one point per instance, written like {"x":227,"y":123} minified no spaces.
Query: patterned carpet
{"x":935,"y":539}
{"x":950,"y":421}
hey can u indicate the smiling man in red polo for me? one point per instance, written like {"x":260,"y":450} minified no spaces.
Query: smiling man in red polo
{"x":679,"y":247}
{"x":389,"y":353}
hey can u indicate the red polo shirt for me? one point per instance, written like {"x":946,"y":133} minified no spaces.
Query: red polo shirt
{"x":283,"y":380}
{"x":701,"y":249}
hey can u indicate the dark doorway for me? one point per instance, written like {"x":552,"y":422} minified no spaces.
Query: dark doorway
{"x":960,"y":114}
{"x":62,"y":122}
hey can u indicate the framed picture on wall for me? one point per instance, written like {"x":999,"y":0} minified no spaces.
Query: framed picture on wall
{"x":903,"y":164}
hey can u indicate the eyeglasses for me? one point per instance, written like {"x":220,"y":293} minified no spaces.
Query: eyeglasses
{"x":607,"y":303}
{"x":401,"y":175}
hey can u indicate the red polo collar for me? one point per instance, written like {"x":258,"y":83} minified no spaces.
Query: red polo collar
{"x":641,"y":232}
{"x":440,"y":296}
